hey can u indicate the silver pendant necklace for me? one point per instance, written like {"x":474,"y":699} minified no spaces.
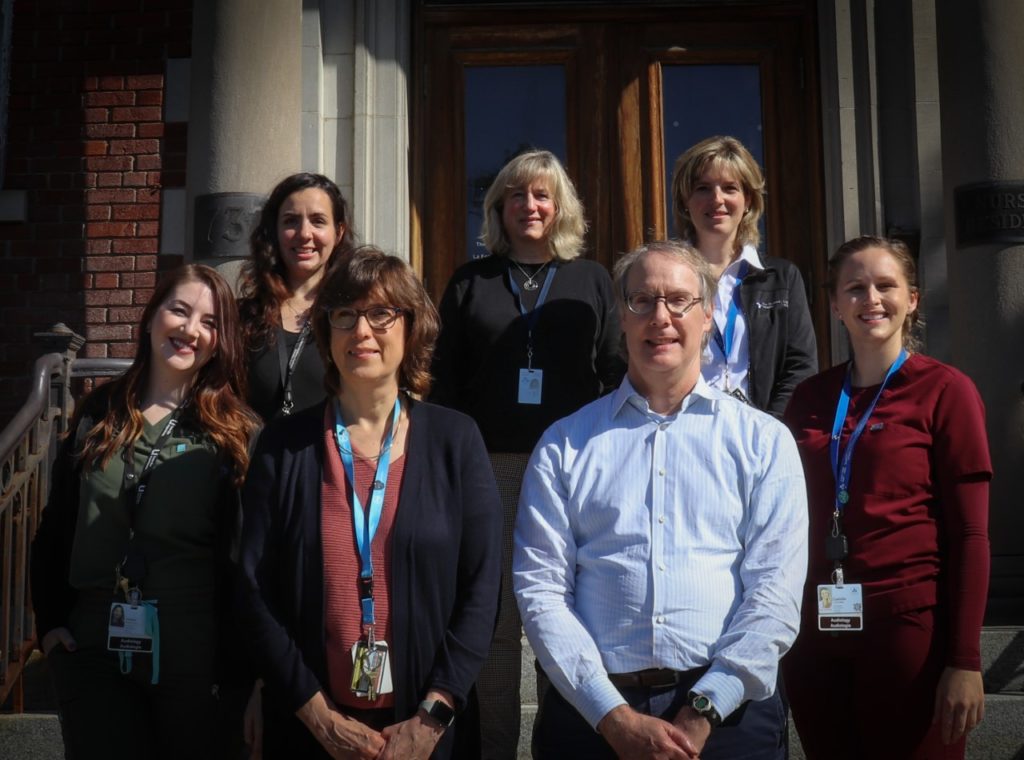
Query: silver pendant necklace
{"x":531,"y":283}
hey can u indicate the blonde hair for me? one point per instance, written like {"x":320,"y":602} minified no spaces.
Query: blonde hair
{"x":565,"y":240}
{"x":719,"y":154}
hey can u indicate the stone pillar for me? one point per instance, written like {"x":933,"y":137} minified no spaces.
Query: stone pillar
{"x":380,"y":158}
{"x":982,"y":118}
{"x":245,"y":129}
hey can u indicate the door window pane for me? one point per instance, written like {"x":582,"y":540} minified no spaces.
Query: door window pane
{"x":702,"y":101}
{"x":508,"y":109}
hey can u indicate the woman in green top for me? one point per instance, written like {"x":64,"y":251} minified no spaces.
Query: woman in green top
{"x":140,"y":517}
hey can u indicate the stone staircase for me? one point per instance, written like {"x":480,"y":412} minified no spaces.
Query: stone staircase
{"x":35,"y":735}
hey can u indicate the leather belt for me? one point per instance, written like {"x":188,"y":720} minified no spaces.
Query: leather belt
{"x":653,"y":678}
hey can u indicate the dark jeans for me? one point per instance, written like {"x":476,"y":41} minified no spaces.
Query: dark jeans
{"x":756,"y":731}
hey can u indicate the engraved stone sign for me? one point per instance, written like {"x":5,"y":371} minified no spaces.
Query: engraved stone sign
{"x":989,"y":212}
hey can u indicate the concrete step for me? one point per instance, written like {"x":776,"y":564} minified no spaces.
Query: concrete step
{"x":1002,"y":659}
{"x":30,"y":736}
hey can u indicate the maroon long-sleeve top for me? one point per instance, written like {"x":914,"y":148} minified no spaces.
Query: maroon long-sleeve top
{"x":917,"y":519}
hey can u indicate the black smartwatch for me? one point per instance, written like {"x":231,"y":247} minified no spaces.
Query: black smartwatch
{"x":438,"y":712}
{"x":704,"y":707}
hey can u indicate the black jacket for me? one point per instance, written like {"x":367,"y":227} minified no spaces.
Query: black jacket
{"x":445,"y":574}
{"x":783,"y":351}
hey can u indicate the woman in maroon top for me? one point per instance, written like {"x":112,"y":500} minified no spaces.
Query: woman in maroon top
{"x":887,"y":664}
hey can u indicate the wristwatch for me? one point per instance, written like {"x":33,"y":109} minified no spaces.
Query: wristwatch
{"x":438,"y":711}
{"x":705,"y":708}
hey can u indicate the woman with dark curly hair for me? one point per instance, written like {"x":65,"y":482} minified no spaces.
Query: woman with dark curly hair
{"x":303,"y":225}
{"x":370,"y":552}
{"x":146,"y":482}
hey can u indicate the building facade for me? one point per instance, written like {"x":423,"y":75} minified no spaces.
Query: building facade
{"x":138,"y":134}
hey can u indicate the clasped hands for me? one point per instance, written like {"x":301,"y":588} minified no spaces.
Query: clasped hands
{"x":643,"y":737}
{"x":346,"y":738}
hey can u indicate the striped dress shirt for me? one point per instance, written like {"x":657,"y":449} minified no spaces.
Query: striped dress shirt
{"x":678,"y":542}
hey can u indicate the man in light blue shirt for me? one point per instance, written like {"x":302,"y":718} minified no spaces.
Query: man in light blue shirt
{"x":661,"y":546}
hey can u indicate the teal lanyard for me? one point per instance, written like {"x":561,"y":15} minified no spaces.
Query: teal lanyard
{"x":365,"y":522}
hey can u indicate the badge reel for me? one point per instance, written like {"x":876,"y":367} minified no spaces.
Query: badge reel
{"x":840,"y":604}
{"x":371,"y":668}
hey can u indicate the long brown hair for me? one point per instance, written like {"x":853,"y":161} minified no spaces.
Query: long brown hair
{"x":263,"y":284}
{"x":214,"y":400}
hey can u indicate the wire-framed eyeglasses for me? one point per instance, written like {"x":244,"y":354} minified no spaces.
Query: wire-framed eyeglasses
{"x":642,"y":303}
{"x":378,"y":317}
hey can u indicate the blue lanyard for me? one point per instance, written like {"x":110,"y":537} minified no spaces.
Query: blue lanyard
{"x":724,"y":342}
{"x":365,"y":523}
{"x":841,"y":465}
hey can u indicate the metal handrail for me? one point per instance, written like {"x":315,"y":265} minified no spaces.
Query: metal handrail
{"x":27,"y":449}
{"x":38,"y":404}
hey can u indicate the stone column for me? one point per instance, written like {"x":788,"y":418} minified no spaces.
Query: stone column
{"x":982,"y":119}
{"x":245,"y":128}
{"x":380,"y":159}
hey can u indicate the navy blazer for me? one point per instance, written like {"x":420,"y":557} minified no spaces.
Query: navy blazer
{"x":445,"y":572}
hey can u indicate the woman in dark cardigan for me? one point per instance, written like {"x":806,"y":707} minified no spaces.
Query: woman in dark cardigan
{"x":435,"y":555}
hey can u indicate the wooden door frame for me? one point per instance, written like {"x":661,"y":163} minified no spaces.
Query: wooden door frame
{"x":613,"y":57}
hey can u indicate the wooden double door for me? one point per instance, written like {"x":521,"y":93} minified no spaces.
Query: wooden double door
{"x":617,"y":92}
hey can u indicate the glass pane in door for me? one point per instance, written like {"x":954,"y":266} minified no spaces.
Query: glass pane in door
{"x":700,"y":101}
{"x":508,"y":109}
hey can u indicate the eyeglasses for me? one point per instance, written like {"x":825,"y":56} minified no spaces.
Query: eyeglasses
{"x":378,"y":317}
{"x":678,"y":304}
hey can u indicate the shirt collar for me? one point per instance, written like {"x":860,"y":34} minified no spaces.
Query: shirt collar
{"x":748,"y":254}
{"x":627,"y":394}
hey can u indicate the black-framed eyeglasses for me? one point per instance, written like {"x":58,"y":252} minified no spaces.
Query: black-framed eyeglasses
{"x":378,"y":317}
{"x":642,"y":303}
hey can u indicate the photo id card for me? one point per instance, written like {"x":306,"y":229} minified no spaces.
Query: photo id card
{"x":371,"y":670}
{"x":530,"y":384}
{"x":127,"y":630}
{"x":840,"y":608}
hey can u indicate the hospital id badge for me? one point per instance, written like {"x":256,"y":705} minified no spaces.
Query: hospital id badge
{"x":127,"y":630}
{"x":840,"y":608}
{"x":371,"y":670}
{"x":530,"y":384}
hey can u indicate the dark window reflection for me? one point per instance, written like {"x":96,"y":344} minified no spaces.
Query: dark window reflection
{"x":508,"y":109}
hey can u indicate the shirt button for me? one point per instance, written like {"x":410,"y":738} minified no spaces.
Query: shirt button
{"x":659,"y":619}
{"x":130,"y":476}
{"x":661,"y":566}
{"x":661,"y":519}
{"x":663,"y":426}
{"x":662,"y":472}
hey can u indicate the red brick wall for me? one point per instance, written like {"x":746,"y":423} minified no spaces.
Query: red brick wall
{"x":88,"y":143}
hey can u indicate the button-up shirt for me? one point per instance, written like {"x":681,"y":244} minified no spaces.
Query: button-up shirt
{"x":645,"y":541}
{"x":728,"y":373}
